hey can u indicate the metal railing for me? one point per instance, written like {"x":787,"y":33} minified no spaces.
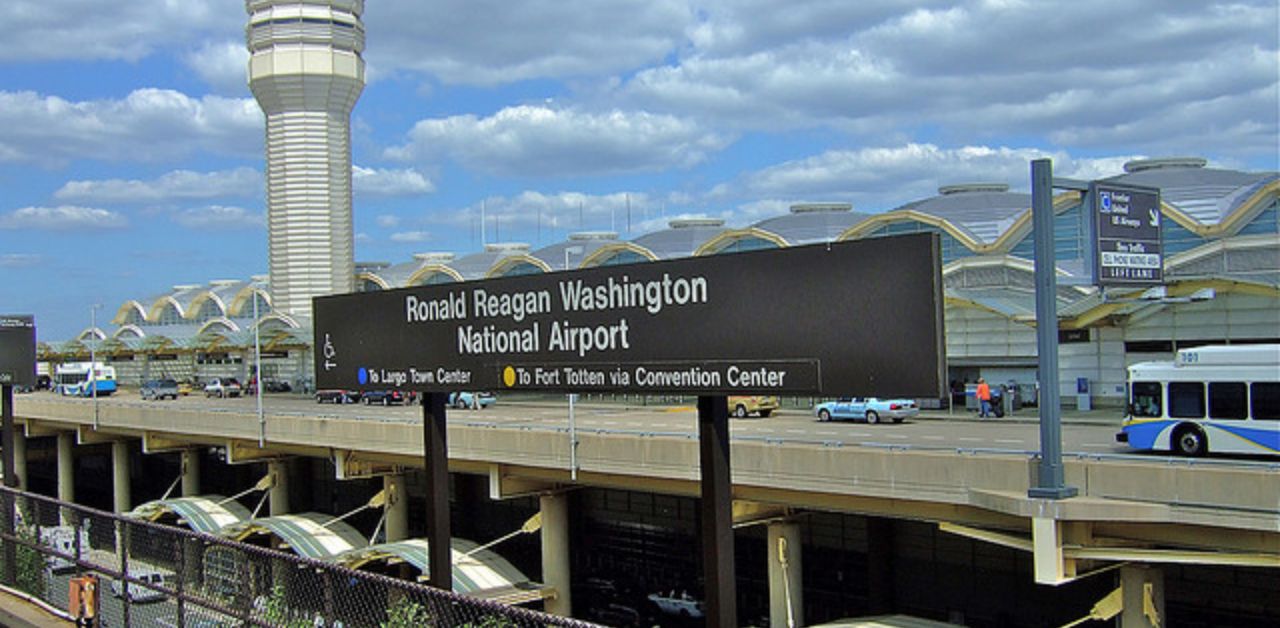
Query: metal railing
{"x":160,"y":575}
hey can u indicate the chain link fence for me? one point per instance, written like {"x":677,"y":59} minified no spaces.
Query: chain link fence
{"x":164,"y":576}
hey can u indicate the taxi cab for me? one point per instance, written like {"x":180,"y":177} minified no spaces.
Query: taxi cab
{"x":743,"y":405}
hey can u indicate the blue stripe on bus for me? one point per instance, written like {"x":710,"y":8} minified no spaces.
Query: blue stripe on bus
{"x":1268,"y":439}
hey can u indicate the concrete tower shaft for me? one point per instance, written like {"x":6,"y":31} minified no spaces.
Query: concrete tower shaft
{"x":306,"y":72}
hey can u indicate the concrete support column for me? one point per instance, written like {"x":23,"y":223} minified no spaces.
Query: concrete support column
{"x":786,"y":584}
{"x":555,"y":552}
{"x":1143,"y":596}
{"x":279,"y":488}
{"x":66,"y":467}
{"x":20,"y":458}
{"x":122,"y":498}
{"x":190,"y":472}
{"x":397,"y":507}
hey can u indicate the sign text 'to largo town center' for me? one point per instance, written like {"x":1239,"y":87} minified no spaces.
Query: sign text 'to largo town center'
{"x":857,"y":318}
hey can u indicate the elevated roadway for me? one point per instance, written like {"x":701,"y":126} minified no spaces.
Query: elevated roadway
{"x":969,"y":477}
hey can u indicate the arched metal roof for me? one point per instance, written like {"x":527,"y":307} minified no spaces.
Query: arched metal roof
{"x":309,"y":534}
{"x":809,"y":223}
{"x":579,"y":246}
{"x":483,"y":574}
{"x":1207,"y":195}
{"x":202,"y":513}
{"x":681,"y":238}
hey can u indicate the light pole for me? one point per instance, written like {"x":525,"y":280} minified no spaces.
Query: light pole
{"x":573,"y":431}
{"x":257,"y":370}
{"x":93,"y":360}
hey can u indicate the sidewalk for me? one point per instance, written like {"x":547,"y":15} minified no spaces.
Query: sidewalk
{"x":1097,"y":416}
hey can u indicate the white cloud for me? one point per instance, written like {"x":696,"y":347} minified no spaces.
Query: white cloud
{"x":175,"y":185}
{"x":976,"y":71}
{"x":223,"y":65}
{"x":91,"y":29}
{"x":62,"y":218}
{"x":147,"y":125}
{"x":389,"y":182}
{"x":20,"y":260}
{"x":387,"y":221}
{"x":541,"y":141}
{"x":411,"y":236}
{"x":487,"y":42}
{"x":882,"y":178}
{"x":219,"y":217}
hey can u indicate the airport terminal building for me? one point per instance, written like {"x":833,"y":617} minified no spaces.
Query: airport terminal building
{"x":1221,"y":245}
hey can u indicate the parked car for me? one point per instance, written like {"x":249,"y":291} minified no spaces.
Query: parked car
{"x":870,"y":409}
{"x":742,"y":405}
{"x":276,"y":386}
{"x":184,"y":388}
{"x":337,"y":395}
{"x":222,"y":387}
{"x":466,"y":399}
{"x":159,"y":389}
{"x":387,"y":397}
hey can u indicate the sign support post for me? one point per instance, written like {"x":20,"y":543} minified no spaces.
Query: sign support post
{"x":717,"y":511}
{"x":10,"y":481}
{"x":1050,"y":484}
{"x":435,"y":441}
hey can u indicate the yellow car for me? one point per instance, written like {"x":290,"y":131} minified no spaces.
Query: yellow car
{"x":742,"y":405}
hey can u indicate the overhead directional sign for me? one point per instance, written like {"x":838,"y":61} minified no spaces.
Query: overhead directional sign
{"x":1128,"y":244}
{"x":17,"y":350}
{"x":858,"y":318}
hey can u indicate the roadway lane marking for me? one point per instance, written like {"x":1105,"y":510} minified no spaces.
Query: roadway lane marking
{"x":971,"y":439}
{"x":1009,"y":440}
{"x":795,"y":431}
{"x":828,"y":433}
{"x":933,"y":438}
{"x":1098,"y":445}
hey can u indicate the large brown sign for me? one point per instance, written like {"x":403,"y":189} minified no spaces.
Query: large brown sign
{"x":859,"y":318}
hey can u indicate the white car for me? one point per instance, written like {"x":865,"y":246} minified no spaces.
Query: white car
{"x":869,"y":409}
{"x":222,"y":387}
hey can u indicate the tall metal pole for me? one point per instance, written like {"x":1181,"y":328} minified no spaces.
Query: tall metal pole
{"x":257,"y":374}
{"x":93,"y":360}
{"x":573,"y":440}
{"x":1050,"y":484}
{"x":436,"y":451}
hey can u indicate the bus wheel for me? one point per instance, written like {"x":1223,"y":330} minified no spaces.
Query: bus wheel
{"x":1188,"y":440}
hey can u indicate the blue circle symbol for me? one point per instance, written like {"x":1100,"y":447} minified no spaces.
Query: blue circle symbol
{"x":1106,"y":201}
{"x":363,"y":375}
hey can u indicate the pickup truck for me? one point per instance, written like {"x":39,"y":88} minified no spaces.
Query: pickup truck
{"x":222,"y":387}
{"x":159,"y":389}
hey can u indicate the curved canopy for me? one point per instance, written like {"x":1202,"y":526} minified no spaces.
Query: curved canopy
{"x":483,"y":574}
{"x":309,"y":534}
{"x":202,"y":513}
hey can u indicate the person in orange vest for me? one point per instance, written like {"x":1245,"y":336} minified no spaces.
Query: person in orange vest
{"x":984,"y":398}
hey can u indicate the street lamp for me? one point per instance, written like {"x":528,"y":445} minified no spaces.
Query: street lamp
{"x":257,"y":368}
{"x":573,"y":432}
{"x":93,"y":360}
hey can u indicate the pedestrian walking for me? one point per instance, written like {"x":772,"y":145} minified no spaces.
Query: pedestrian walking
{"x":984,"y":399}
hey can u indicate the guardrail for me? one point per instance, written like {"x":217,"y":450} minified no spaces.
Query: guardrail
{"x":157,"y":575}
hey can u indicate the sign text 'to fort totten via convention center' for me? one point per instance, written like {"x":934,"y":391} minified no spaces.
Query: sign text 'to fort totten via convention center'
{"x":861,"y":317}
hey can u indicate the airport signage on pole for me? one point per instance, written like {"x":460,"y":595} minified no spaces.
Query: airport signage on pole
{"x":861,"y":317}
{"x":1127,"y":228}
{"x":17,"y":350}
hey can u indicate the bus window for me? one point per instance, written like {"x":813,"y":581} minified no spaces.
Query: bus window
{"x":1186,"y":400}
{"x":1146,"y":399}
{"x":1227,"y":400}
{"x":1266,"y":400}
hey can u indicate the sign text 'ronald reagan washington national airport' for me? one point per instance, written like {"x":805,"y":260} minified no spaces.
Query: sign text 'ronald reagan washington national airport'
{"x":858,"y":318}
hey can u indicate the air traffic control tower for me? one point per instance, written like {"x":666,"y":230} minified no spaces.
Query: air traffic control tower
{"x":306,"y":71}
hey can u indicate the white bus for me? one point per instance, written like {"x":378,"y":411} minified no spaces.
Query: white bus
{"x":77,"y":378}
{"x":1222,"y":399}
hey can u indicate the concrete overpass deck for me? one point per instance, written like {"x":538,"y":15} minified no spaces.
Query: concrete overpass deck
{"x":1130,"y":508}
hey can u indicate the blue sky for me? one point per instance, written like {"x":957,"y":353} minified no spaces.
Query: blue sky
{"x":131,"y":150}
